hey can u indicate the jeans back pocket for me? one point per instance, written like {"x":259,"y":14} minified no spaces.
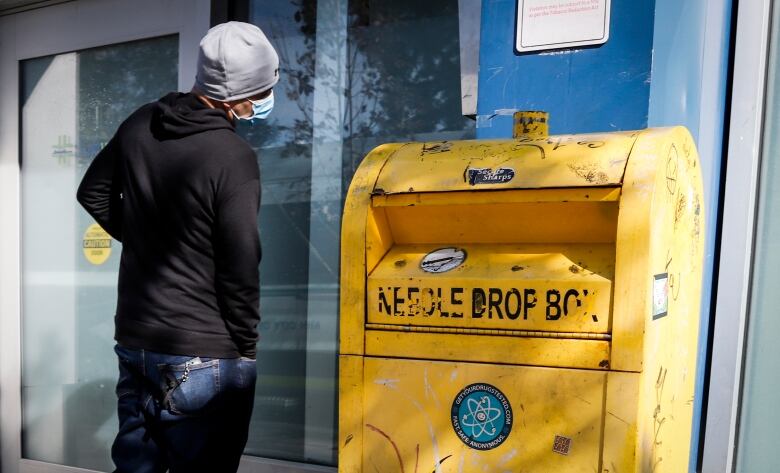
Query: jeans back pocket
{"x":188,"y":388}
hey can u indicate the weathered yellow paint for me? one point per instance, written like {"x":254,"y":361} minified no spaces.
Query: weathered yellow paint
{"x":379,"y":238}
{"x":493,"y":348}
{"x":350,"y":439}
{"x":530,"y":124}
{"x":596,"y":222}
{"x":669,"y":346}
{"x":620,"y":423}
{"x":558,"y":161}
{"x":353,"y":262}
{"x":407,"y":426}
{"x":497,"y":287}
{"x":596,"y":194}
{"x":618,"y":215}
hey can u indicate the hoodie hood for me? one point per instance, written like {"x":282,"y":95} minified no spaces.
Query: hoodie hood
{"x":177,"y":115}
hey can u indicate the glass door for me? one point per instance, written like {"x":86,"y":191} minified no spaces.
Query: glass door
{"x":77,"y":70}
{"x":758,"y":414}
{"x":71,"y":104}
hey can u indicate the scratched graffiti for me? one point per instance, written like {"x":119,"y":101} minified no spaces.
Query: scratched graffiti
{"x":524,"y":144}
{"x":672,"y":163}
{"x":556,"y":142}
{"x":696,"y":217}
{"x":679,"y":209}
{"x":658,"y":418}
{"x":392,"y":443}
{"x":674,"y":285}
{"x":589,"y":172}
{"x":592,"y":144}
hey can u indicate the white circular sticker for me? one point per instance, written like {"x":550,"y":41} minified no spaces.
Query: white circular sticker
{"x":443,"y":260}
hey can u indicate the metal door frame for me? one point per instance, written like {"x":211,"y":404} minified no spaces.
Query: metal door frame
{"x":54,"y":29}
{"x":738,"y":234}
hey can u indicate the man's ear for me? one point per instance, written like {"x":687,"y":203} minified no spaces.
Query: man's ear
{"x":225,"y":106}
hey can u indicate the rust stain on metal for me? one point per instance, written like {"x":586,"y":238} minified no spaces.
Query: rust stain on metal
{"x":679,"y":209}
{"x":696,"y":217}
{"x":432,"y":148}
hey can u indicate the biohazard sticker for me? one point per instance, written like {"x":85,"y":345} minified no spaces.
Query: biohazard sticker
{"x":660,"y":295}
{"x":481,"y":416}
{"x":443,"y":260}
{"x":96,"y":244}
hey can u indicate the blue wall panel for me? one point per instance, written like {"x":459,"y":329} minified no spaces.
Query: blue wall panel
{"x":690,"y":73}
{"x":665,"y":64}
{"x":599,"y":88}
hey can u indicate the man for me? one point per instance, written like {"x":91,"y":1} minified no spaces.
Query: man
{"x":180,"y":189}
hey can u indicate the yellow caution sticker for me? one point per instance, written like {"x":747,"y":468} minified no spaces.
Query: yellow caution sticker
{"x":97,"y":244}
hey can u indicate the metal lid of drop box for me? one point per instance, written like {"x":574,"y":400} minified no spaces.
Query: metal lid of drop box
{"x":592,"y":160}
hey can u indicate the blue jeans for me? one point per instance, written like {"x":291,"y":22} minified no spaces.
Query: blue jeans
{"x":181,"y":414}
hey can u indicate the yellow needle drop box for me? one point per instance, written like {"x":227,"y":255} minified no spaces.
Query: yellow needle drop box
{"x":524,"y":305}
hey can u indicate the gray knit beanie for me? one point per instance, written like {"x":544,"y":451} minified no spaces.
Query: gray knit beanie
{"x":235,"y":61}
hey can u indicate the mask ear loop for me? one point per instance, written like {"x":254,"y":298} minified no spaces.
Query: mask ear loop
{"x":254,"y":103}
{"x":235,"y":115}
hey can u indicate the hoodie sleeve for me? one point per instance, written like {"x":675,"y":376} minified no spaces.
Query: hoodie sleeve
{"x":100,"y":190}
{"x":237,"y":257}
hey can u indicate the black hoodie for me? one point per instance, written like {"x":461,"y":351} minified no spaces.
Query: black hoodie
{"x":181,"y":191}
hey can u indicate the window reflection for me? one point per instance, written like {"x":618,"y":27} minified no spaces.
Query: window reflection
{"x":355,"y":74}
{"x":403,"y":75}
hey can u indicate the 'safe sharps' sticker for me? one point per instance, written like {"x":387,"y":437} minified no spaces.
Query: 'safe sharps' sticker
{"x":478,"y":176}
{"x":443,"y":260}
{"x":481,"y":416}
{"x":96,"y":244}
{"x":660,"y":295}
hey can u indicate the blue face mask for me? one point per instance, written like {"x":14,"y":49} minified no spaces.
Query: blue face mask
{"x":260,"y":109}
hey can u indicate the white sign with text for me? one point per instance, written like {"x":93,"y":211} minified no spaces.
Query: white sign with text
{"x":556,"y":24}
